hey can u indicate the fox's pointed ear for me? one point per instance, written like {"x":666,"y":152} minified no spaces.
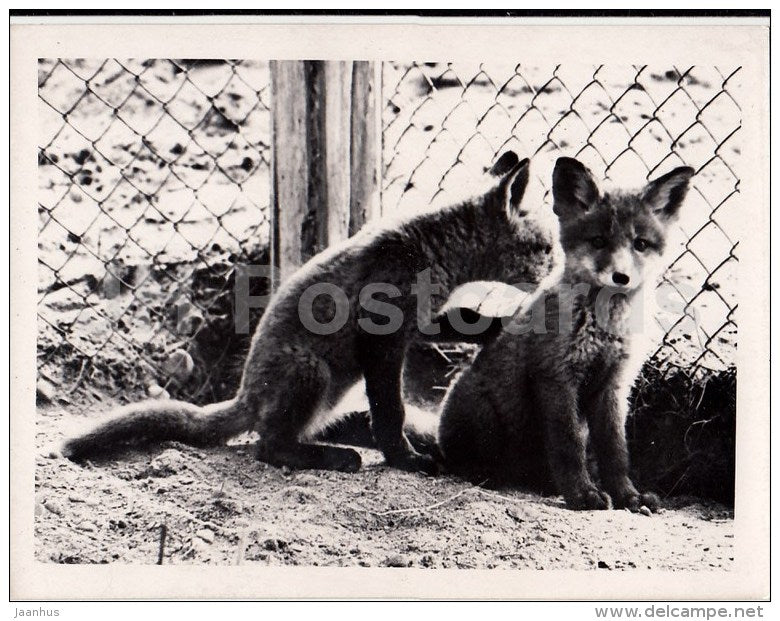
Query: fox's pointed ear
{"x":512,"y":187}
{"x":664,"y":195}
{"x":574,"y":189}
{"x":504,"y":164}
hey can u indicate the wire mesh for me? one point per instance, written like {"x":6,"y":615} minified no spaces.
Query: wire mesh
{"x":443,"y":121}
{"x":153,"y":176}
{"x":154,"y":183}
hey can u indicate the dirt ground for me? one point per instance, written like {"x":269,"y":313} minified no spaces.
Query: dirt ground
{"x":220,"y":506}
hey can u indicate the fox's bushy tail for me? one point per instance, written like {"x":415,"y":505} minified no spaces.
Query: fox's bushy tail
{"x":154,"y":421}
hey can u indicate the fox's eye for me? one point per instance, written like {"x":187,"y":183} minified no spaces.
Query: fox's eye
{"x":598,"y":242}
{"x":640,"y":245}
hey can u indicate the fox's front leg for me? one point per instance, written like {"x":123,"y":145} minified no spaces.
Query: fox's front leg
{"x":606,"y":412}
{"x":382,"y":359}
{"x":565,"y":438}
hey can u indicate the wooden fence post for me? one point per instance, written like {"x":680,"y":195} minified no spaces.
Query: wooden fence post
{"x":325,"y":156}
{"x":366,"y":144}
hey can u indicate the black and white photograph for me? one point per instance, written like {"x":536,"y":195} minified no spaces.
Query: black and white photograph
{"x":394,"y":306}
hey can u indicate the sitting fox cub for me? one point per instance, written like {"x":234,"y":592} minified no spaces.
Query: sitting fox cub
{"x":292,"y":373}
{"x":534,"y":398}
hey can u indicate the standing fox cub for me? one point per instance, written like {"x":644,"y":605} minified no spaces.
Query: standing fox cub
{"x":558,"y":377}
{"x":292,"y":373}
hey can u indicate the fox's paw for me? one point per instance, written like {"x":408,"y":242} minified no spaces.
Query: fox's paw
{"x":309,"y":456}
{"x":646,"y":502}
{"x":651,"y":501}
{"x":347,"y":461}
{"x":589,"y":499}
{"x":638,"y":503}
{"x":412,"y":461}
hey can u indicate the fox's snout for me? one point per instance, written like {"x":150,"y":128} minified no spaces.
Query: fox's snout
{"x":621,"y":270}
{"x":619,"y":278}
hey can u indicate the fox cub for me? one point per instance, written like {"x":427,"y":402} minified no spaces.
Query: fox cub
{"x":557,"y":379}
{"x":292,"y":374}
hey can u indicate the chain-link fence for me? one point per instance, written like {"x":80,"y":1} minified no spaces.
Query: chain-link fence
{"x":443,"y":121}
{"x":153,"y":184}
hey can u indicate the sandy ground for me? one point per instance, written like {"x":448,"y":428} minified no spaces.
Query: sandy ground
{"x":220,"y":506}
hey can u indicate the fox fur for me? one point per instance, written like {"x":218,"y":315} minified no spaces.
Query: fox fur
{"x":542,"y":394}
{"x":292,"y":375}
{"x":544,"y":404}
